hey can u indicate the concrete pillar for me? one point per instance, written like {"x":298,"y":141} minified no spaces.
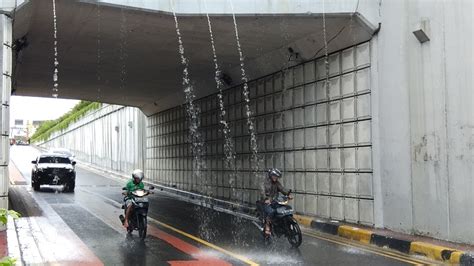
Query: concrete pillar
{"x":5,"y":84}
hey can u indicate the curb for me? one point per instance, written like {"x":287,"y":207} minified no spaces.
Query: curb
{"x":435,"y":252}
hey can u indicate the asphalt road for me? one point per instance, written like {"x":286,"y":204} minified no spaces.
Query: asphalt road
{"x":180,"y":233}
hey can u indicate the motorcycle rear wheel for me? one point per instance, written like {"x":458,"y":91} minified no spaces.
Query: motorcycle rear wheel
{"x":142,"y":225}
{"x":294,"y":233}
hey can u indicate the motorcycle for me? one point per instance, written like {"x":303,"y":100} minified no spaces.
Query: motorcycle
{"x":282,"y":224}
{"x":138,"y":215}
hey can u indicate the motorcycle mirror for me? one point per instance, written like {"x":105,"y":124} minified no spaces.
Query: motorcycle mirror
{"x":124,"y":188}
{"x":33,"y":162}
{"x":152,"y":187}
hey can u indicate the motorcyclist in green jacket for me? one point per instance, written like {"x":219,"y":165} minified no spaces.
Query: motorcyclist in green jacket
{"x":134,"y":184}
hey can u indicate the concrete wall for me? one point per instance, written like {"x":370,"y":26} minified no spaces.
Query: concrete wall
{"x":423,"y":129}
{"x":320,"y":137}
{"x":111,"y":138}
{"x":5,"y":85}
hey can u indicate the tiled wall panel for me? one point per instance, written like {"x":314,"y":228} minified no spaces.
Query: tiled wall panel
{"x":320,"y":136}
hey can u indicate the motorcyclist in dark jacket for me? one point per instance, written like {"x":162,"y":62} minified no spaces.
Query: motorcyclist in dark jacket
{"x":271,"y":188}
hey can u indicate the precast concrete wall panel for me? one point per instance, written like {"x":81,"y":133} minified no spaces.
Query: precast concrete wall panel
{"x":320,"y":136}
{"x":111,"y":137}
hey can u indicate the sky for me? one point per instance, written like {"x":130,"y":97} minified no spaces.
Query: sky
{"x":37,"y":108}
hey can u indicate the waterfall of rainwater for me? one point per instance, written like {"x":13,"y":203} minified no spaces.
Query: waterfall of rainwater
{"x":248,"y":111}
{"x":55,"y":92}
{"x":326,"y":55}
{"x":239,"y":232}
{"x":192,"y":110}
{"x":99,"y":52}
{"x":197,"y":144}
{"x":123,"y":50}
{"x":229,"y":151}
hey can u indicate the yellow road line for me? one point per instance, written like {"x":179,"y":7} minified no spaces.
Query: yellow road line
{"x":197,"y":239}
{"x":371,"y":249}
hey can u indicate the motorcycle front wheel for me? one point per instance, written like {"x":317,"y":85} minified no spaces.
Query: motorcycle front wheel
{"x":142,"y":224}
{"x":294,"y":233}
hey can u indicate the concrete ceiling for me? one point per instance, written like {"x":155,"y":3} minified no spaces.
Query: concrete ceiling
{"x":149,"y":57}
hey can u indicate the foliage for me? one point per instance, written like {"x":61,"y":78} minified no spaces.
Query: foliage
{"x":7,"y":261}
{"x":4,"y":213}
{"x":49,"y":127}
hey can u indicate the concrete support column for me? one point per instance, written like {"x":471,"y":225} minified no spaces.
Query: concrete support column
{"x":5,"y":85}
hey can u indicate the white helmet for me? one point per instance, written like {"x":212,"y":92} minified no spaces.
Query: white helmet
{"x":137,"y":173}
{"x":273,"y":172}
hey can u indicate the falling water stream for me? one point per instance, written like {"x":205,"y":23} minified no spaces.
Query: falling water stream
{"x":326,"y":55}
{"x":99,"y":52}
{"x":55,"y":92}
{"x":229,"y":150}
{"x":123,"y":50}
{"x":248,"y":111}
{"x":238,"y":231}
{"x":197,"y":144}
{"x":192,"y":110}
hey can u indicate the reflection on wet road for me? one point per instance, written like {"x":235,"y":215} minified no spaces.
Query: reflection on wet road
{"x":88,"y":218}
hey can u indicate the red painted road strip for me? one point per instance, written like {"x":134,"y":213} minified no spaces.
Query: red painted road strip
{"x":202,"y":259}
{"x":3,"y":244}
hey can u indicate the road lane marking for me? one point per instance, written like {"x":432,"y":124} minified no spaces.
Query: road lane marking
{"x":236,"y":256}
{"x":394,"y":256}
{"x":197,"y":239}
{"x":370,"y":249}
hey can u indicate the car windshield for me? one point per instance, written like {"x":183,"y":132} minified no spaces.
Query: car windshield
{"x":60,"y":151}
{"x":53,"y":159}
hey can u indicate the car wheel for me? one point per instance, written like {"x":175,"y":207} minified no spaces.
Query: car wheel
{"x":70,"y":186}
{"x":36,"y":186}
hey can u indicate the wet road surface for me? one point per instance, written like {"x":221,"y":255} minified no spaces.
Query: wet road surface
{"x":179,"y":233}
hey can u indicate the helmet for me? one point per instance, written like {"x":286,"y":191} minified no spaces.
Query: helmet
{"x":274,"y":172}
{"x":137,"y":173}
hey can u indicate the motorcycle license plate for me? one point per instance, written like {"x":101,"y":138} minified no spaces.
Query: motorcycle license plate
{"x":141,"y":200}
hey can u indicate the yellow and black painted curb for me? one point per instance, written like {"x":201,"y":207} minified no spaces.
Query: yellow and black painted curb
{"x":431,"y":251}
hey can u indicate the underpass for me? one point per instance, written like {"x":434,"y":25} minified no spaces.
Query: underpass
{"x":92,"y":211}
{"x":364,"y":105}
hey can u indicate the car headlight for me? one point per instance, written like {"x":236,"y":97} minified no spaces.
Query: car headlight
{"x":40,"y":169}
{"x":70,"y":170}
